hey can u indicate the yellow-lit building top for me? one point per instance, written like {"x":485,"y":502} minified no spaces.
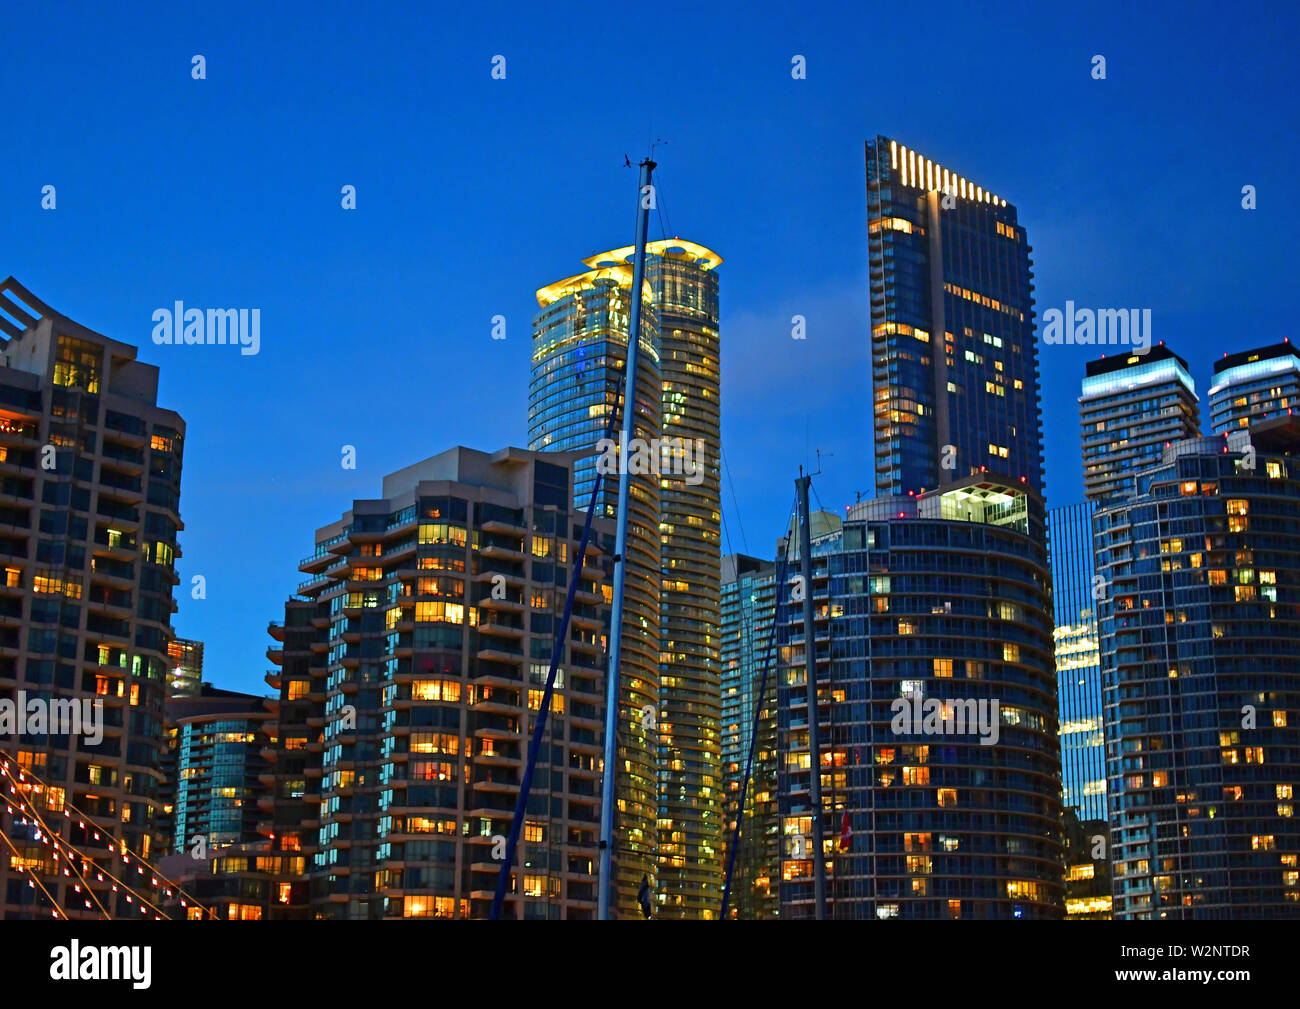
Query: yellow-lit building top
{"x":707,"y":258}
{"x":616,"y":265}
{"x":619,"y":273}
{"x":916,"y":170}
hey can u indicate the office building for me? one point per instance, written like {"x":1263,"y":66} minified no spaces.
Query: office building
{"x":1253,"y":386}
{"x":937,"y":712}
{"x":1132,"y":406}
{"x":428,"y":620}
{"x":954,"y":360}
{"x":748,"y":602}
{"x":1078,"y":664}
{"x":90,"y":470}
{"x":1199,"y":633}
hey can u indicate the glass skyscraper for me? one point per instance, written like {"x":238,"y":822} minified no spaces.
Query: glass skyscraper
{"x":578,"y":354}
{"x":1078,"y":668}
{"x":936,"y":604}
{"x":954,"y":361}
{"x":1199,"y":626}
{"x":670,"y":784}
{"x":1255,"y":385}
{"x":1131,"y":407}
{"x":748,"y":603}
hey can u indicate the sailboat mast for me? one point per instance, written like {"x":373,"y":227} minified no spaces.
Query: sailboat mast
{"x":612,"y":680}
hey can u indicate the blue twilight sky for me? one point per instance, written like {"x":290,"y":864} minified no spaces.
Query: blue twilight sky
{"x":473,"y":192}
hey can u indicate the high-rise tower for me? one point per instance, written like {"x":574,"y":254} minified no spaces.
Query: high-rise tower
{"x":1078,"y":668}
{"x":90,"y":471}
{"x":1255,"y":385}
{"x":578,"y":356}
{"x":954,"y":362}
{"x":433,"y":611}
{"x":748,"y":609}
{"x":1199,"y":627}
{"x":577,"y":374}
{"x":1132,"y":406}
{"x":214,"y":767}
{"x":936,"y":707}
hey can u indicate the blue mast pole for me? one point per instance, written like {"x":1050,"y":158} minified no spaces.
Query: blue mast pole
{"x":612,"y":680}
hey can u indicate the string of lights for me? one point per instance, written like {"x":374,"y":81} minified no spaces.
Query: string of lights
{"x":47,"y":836}
{"x":35,"y":880}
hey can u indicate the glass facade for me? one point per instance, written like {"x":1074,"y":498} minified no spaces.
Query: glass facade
{"x":213,"y":768}
{"x":1078,"y":664}
{"x":1130,"y":409}
{"x":954,"y":362}
{"x":938,"y":605}
{"x":1198,"y":630}
{"x":670,"y":786}
{"x":1254,"y":386}
{"x":579,"y":354}
{"x":748,"y":601}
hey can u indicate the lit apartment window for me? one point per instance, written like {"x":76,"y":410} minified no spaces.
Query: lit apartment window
{"x":435,"y":690}
{"x":77,"y":364}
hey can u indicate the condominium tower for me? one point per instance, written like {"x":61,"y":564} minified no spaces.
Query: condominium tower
{"x":1132,"y":406}
{"x":186,"y":658}
{"x":90,"y":470}
{"x":954,"y":361}
{"x":669,"y":823}
{"x":420,"y":644}
{"x":1198,"y":633}
{"x":214,"y":767}
{"x":1251,"y":386}
{"x":937,"y":714}
{"x":578,"y":357}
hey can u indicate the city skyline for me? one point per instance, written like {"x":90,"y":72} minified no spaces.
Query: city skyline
{"x":1030,"y":653}
{"x":1120,"y":208}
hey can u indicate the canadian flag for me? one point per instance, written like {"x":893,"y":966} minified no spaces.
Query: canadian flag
{"x":846,"y":833}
